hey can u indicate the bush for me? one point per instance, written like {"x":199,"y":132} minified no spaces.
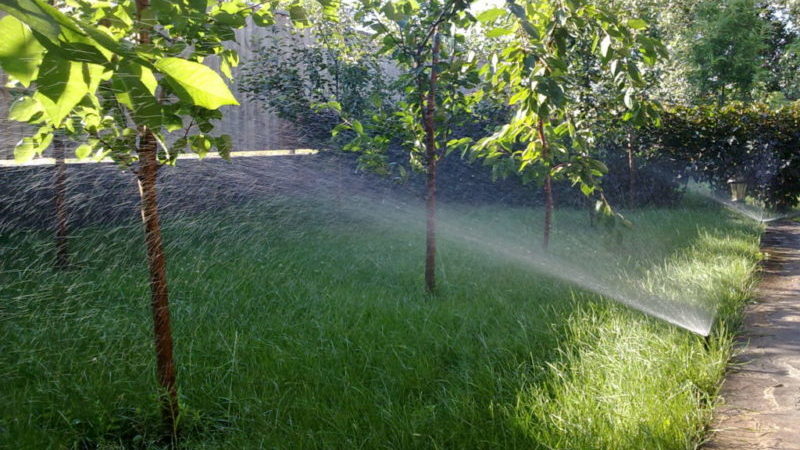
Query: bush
{"x":750,"y":141}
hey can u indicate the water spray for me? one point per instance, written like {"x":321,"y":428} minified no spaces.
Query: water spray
{"x":691,"y":317}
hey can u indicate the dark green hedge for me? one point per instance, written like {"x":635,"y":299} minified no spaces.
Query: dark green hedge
{"x":747,"y":141}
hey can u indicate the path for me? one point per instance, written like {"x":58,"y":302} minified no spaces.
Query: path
{"x":762,"y":391}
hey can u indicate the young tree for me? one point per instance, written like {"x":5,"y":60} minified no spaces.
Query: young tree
{"x":426,"y":42}
{"x":125,"y":74}
{"x":729,"y":38}
{"x":542,"y":69}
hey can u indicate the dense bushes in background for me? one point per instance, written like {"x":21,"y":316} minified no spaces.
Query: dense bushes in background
{"x":749,"y":141}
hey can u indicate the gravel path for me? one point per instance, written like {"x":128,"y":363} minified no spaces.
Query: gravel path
{"x":761,"y":394}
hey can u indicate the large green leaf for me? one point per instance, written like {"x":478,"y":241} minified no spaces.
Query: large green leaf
{"x":195,"y":83}
{"x":490,"y":15}
{"x":25,"y":150}
{"x":53,"y":25}
{"x":62,"y":85}
{"x":131,"y":90}
{"x":31,"y":13}
{"x":25,"y":109}
{"x":20,"y":52}
{"x":29,"y":147}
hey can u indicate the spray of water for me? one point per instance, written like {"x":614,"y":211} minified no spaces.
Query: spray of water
{"x":673,"y":304}
{"x":755,"y":212}
{"x":103,"y":194}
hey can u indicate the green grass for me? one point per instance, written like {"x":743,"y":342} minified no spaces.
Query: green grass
{"x":305,"y":327}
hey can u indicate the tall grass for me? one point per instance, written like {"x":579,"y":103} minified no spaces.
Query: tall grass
{"x":305,"y":327}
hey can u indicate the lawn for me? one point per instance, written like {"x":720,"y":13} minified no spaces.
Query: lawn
{"x":300,"y":324}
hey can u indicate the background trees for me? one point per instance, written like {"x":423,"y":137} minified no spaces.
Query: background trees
{"x":556,"y":51}
{"x":730,"y":39}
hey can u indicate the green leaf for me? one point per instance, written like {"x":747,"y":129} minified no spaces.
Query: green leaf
{"x":30,"y":13}
{"x":200,"y":144}
{"x":83,"y":151}
{"x":637,"y":24}
{"x":330,"y":9}
{"x":195,"y":83}
{"x":299,"y":16}
{"x":173,"y":122}
{"x":339,"y":128}
{"x":76,"y":46}
{"x":605,"y":46}
{"x":491,"y":15}
{"x":224,"y":145}
{"x":105,"y":40}
{"x":357,"y":127}
{"x":25,"y":150}
{"x":519,"y":11}
{"x":25,"y":109}
{"x":522,"y":95}
{"x":497,"y":32}
{"x":62,"y":85}
{"x":628,"y":99}
{"x":132,"y":92}
{"x":20,"y":52}
{"x":392,"y":12}
{"x":148,"y":79}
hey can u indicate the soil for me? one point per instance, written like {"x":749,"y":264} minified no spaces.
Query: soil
{"x":761,"y":394}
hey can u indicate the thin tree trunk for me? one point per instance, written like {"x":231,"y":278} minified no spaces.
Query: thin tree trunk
{"x":431,"y":159}
{"x":631,"y":173}
{"x":165,"y":361}
{"x":147,"y":175}
{"x":548,"y":188}
{"x":60,"y":198}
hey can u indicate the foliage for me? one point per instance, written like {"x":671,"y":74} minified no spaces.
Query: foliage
{"x":781,"y":57}
{"x":753,"y":142}
{"x":660,"y":178}
{"x":539,"y":71}
{"x":727,"y":53}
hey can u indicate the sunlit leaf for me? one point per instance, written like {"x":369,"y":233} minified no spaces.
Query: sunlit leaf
{"x":20,"y":52}
{"x":62,"y":85}
{"x":491,"y":15}
{"x":25,"y":109}
{"x":195,"y":83}
{"x":25,"y":150}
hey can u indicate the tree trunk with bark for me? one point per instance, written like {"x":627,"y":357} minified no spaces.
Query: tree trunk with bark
{"x":60,"y":200}
{"x":431,"y":160}
{"x":156,"y":262}
{"x":547,"y":188}
{"x":147,"y":175}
